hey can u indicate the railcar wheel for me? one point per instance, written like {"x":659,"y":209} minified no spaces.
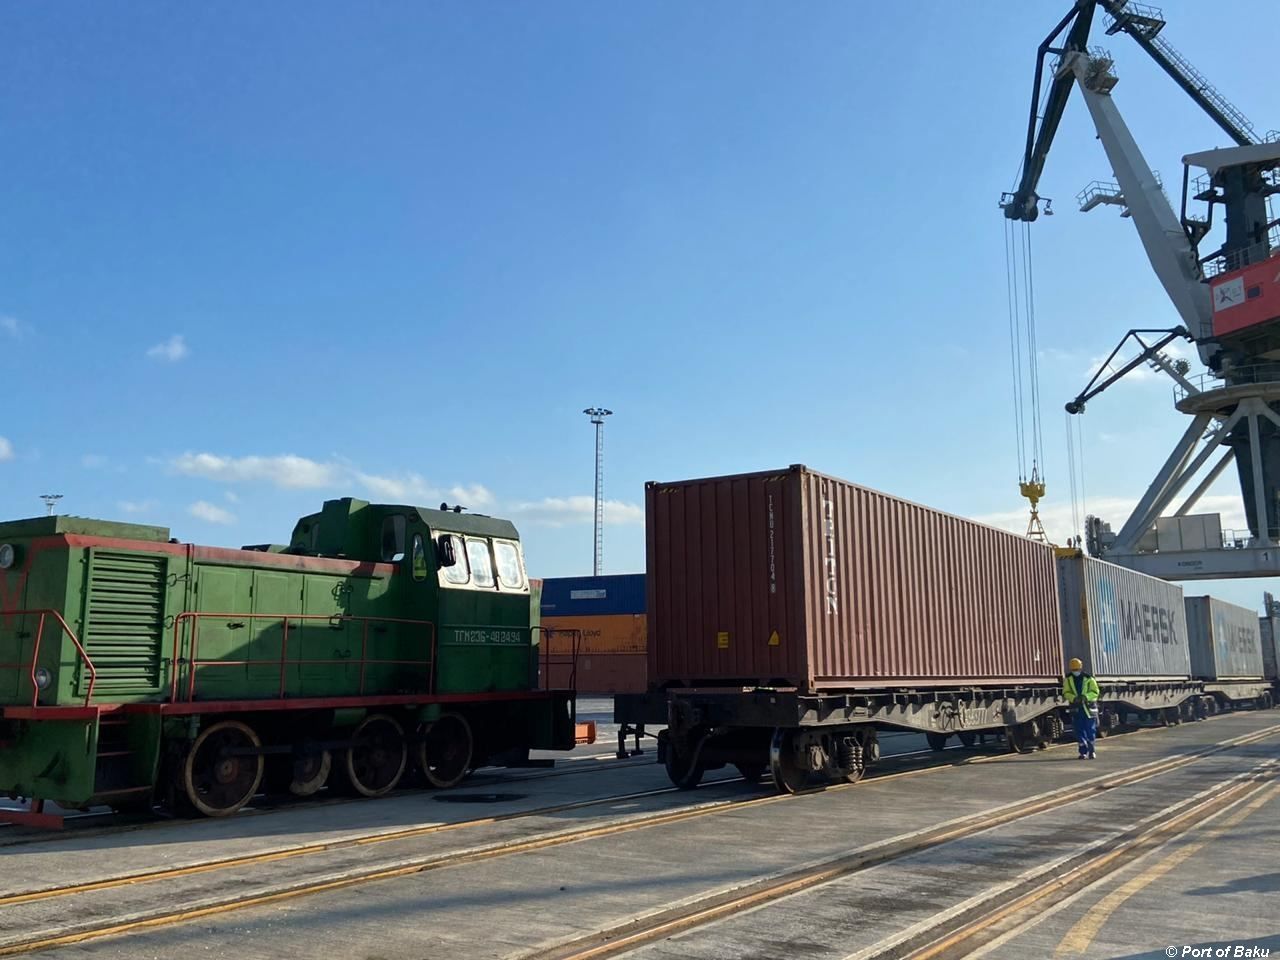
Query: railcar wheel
{"x":376,"y":762}
{"x":788,"y":775}
{"x":751,"y":772}
{"x":1023,"y":737}
{"x":937,"y":741}
{"x":220,"y":774}
{"x":968,"y":740}
{"x":1053,"y":727}
{"x":445,"y":753}
{"x":310,"y":771}
{"x":684,"y":767}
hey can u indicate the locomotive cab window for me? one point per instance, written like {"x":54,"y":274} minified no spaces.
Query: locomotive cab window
{"x":510,"y":569}
{"x":481,"y":567}
{"x":457,"y":574}
{"x":419,"y":560}
{"x":393,"y":529}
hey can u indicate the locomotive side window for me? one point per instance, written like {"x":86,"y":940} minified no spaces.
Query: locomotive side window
{"x":481,"y":568}
{"x":419,"y":558}
{"x":393,"y":539}
{"x":457,"y":574}
{"x":510,"y":573}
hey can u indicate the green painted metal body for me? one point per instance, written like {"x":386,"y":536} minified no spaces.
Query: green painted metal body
{"x":357,"y":605}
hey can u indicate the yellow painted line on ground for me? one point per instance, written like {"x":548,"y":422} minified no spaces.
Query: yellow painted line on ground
{"x":1080,"y":937}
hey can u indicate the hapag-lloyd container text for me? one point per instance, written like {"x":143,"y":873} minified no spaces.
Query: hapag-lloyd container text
{"x":1122,"y":624}
{"x":797,"y":579}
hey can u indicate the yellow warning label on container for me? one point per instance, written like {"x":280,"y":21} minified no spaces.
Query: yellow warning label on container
{"x":722,"y":640}
{"x":774,"y":639}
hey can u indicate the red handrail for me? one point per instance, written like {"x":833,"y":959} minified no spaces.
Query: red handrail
{"x":34,"y":665}
{"x":571,"y":658}
{"x":194,"y":663}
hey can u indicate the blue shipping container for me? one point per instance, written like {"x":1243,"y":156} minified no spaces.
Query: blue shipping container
{"x":593,"y":596}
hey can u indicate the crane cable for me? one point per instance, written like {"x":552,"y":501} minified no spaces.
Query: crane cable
{"x":1020,"y":291}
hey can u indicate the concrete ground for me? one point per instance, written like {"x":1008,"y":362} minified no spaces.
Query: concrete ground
{"x":1225,"y":888}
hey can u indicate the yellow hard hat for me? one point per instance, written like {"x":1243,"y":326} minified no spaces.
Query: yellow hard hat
{"x":1075,"y":664}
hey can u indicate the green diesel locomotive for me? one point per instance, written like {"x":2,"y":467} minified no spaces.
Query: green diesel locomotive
{"x":137,"y":670}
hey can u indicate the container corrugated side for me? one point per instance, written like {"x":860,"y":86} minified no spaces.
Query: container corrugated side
{"x":1120,"y":623}
{"x":1225,"y":641}
{"x":594,"y":596}
{"x":899,"y":591}
{"x":1270,"y":654}
{"x":794,"y":578}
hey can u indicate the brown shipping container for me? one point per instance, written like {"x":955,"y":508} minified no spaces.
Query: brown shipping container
{"x":796,"y":579}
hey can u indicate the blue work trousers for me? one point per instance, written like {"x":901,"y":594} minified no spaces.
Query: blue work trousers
{"x":1086,"y":730}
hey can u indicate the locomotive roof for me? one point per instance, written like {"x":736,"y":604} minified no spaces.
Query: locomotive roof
{"x":82,"y":526}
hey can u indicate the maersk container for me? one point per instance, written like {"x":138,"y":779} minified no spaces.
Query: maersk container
{"x":797,"y":579}
{"x":1225,"y":641}
{"x":1123,"y":625}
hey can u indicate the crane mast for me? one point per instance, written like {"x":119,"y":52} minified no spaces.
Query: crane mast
{"x":1227,"y":301}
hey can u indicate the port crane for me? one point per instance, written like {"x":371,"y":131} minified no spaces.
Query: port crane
{"x":1227,"y":299}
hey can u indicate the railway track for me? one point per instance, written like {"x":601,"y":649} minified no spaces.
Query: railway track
{"x":720,"y":905}
{"x":605,"y":942}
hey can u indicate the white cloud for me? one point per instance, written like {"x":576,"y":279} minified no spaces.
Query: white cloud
{"x":12,"y":327}
{"x":472,"y":496}
{"x":203,"y":510}
{"x":136,"y":506}
{"x":6,"y":450}
{"x":93,"y":461}
{"x":172,"y":350}
{"x":565,"y":511}
{"x":409,"y":487}
{"x":231,"y":496}
{"x":288,"y":472}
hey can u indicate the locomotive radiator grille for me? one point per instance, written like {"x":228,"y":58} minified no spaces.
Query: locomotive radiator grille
{"x":124,"y":620}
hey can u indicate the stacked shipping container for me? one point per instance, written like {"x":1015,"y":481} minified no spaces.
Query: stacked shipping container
{"x":605,"y":617}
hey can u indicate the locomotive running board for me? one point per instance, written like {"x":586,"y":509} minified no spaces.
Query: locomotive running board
{"x":33,"y":816}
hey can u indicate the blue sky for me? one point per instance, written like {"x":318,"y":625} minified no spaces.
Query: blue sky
{"x":254,"y":256}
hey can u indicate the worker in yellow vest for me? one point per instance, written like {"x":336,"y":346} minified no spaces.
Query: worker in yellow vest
{"x":1081,"y":691}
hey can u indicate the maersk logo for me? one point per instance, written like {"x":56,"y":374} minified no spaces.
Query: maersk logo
{"x":1132,"y":620}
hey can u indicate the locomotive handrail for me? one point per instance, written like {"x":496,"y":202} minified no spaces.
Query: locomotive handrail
{"x":193,"y":662}
{"x":571,"y":657}
{"x":31,"y":668}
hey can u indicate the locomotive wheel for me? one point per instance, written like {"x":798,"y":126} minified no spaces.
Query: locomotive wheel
{"x":937,"y":741}
{"x":310,"y":771}
{"x":682,"y":769}
{"x":375,"y":765}
{"x":216,"y":782}
{"x":751,"y":772}
{"x":446,"y":751}
{"x":968,"y":740}
{"x":788,"y":776}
